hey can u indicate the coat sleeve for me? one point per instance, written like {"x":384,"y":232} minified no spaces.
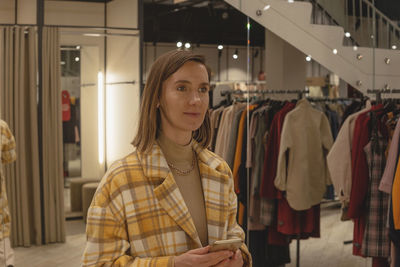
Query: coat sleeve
{"x":107,"y":238}
{"x":285,"y":144}
{"x":7,"y":145}
{"x":327,"y":142}
{"x":234,"y":230}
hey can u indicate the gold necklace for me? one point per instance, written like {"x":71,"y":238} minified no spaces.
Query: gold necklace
{"x":183,"y":172}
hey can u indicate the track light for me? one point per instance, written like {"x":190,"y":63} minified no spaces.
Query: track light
{"x":235,"y":55}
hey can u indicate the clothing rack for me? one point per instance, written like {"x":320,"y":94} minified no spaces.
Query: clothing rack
{"x":300,"y":94}
{"x":378,"y":93}
{"x":228,"y":93}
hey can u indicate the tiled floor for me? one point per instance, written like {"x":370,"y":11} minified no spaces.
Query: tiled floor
{"x":327,"y":251}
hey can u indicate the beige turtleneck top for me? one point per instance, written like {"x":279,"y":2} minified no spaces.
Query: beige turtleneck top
{"x":189,"y":185}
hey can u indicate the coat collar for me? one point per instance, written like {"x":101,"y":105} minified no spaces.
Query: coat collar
{"x":156,"y":169}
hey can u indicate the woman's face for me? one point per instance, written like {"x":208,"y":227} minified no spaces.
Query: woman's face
{"x":184,"y":101}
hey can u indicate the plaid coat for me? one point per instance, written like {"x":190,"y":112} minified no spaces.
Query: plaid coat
{"x":7,"y":155}
{"x":138,"y":216}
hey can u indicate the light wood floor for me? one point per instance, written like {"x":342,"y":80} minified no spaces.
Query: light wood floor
{"x":327,"y":251}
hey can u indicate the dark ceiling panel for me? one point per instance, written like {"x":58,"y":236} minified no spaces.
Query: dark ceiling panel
{"x":215,"y":23}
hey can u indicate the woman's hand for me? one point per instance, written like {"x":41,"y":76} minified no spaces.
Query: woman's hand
{"x":201,"y":258}
{"x":235,"y":261}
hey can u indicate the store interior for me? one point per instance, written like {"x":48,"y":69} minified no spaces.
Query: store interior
{"x":95,"y":56}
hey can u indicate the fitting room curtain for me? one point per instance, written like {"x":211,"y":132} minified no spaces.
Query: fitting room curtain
{"x":18,"y":91}
{"x":53,"y":179}
{"x":37,"y":213}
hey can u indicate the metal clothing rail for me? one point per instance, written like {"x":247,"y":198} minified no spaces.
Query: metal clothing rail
{"x":114,"y":83}
{"x":378,"y":92}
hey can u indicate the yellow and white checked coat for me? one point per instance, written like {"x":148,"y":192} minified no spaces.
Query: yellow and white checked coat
{"x":7,"y":155}
{"x":138,"y":216}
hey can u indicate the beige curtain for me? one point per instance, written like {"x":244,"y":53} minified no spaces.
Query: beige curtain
{"x":53,"y":180}
{"x":18,"y":91}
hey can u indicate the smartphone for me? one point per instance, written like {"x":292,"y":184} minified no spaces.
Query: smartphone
{"x":229,"y":244}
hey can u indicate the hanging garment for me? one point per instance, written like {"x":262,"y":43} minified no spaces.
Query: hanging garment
{"x":302,"y":170}
{"x":376,"y":236}
{"x":339,"y":157}
{"x":391,"y":162}
{"x":268,"y":189}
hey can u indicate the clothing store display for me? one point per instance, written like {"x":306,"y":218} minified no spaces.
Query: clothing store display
{"x":160,"y":225}
{"x":257,"y":150}
{"x":7,"y":155}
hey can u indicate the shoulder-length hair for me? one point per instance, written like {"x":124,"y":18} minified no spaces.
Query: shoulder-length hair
{"x":150,"y":119}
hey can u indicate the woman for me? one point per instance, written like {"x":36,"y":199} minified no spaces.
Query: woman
{"x":164,"y":203}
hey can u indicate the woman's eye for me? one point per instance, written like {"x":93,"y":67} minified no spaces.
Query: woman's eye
{"x":181,"y":88}
{"x":203,"y":90}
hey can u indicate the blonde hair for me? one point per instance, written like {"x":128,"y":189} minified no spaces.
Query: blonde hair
{"x":150,"y":120}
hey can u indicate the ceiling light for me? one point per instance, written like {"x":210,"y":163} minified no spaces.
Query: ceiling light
{"x":359,"y":56}
{"x":235,"y":55}
{"x":78,"y":47}
{"x":308,"y":58}
{"x":76,"y":59}
{"x":387,"y":60}
{"x":187,"y":45}
{"x":291,"y":1}
{"x":394,"y":47}
{"x":220,"y":47}
{"x":355,"y":48}
{"x":359,"y":83}
{"x":334,"y":51}
{"x":266,"y":7}
{"x":347,"y":34}
{"x":179,"y":44}
{"x":62,"y":62}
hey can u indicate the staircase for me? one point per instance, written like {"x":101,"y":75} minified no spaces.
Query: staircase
{"x":291,"y":21}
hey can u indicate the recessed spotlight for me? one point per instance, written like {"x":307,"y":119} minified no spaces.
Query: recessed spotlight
{"x":394,"y":47}
{"x":308,"y":58}
{"x":347,"y":34}
{"x":334,"y":51}
{"x":76,"y":59}
{"x":291,"y":1}
{"x":220,"y":47}
{"x":187,"y":45}
{"x":78,"y":47}
{"x":355,"y":48}
{"x":236,"y":54}
{"x":179,"y":44}
{"x":266,"y":7}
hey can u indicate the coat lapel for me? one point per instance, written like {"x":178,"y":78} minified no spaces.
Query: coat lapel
{"x":216,"y":193}
{"x":166,"y":191}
